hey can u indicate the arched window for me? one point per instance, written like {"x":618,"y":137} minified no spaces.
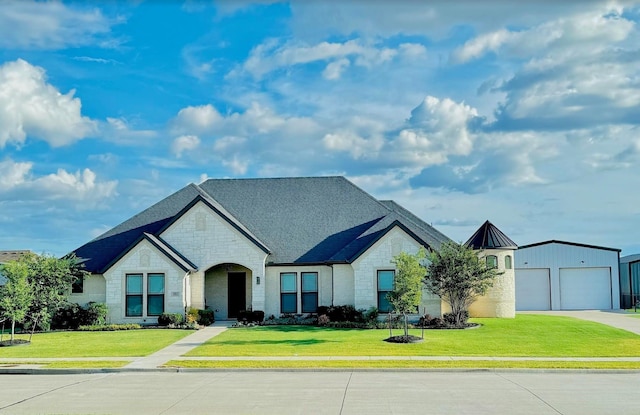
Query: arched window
{"x":492,"y":261}
{"x":507,"y":262}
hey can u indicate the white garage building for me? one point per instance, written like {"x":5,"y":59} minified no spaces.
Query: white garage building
{"x":558,"y":275}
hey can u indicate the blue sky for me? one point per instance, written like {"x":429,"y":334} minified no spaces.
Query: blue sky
{"x":527,"y":115}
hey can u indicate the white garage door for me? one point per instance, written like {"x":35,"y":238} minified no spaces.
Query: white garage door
{"x":533,"y":290}
{"x":585,"y":288}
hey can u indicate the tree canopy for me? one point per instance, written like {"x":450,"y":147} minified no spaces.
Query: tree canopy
{"x":458,"y":276}
{"x":407,"y":289}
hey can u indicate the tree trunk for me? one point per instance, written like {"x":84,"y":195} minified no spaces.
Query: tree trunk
{"x":389,"y":320}
{"x":406,"y":326}
{"x":35,"y":323}
{"x":13,"y":329}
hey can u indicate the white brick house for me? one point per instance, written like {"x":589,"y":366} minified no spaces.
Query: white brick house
{"x":278,"y":245}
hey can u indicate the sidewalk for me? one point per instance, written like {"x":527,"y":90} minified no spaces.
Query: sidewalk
{"x":177,"y":349}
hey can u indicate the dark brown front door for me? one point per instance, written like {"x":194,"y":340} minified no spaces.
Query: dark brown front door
{"x":237,"y":283}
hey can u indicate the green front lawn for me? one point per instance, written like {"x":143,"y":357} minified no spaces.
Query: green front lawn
{"x":94,"y":343}
{"x":526,"y":335}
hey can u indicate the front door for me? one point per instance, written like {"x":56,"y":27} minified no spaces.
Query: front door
{"x":237,"y":283}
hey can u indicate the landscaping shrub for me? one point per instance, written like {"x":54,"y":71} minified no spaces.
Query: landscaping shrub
{"x":110,"y":327}
{"x":249,"y":316}
{"x":292,"y":319}
{"x":206,"y":317}
{"x":450,"y":318}
{"x":371,"y":314}
{"x":71,"y":315}
{"x":342,"y":313}
{"x":192,"y":316}
{"x":168,"y":319}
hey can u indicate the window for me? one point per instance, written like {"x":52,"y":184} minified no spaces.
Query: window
{"x":155,"y":294}
{"x":288,"y":292}
{"x":134,"y":295}
{"x":385,"y":285}
{"x":77,"y":287}
{"x":507,"y":262}
{"x":492,"y":261}
{"x":309,"y":292}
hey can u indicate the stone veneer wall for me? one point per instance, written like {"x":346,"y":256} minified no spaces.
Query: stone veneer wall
{"x":207,"y":240}
{"x":144,"y":258}
{"x":378,"y":257}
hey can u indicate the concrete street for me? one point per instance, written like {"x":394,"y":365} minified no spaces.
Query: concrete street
{"x":322,"y":392}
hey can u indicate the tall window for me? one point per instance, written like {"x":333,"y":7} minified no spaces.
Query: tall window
{"x":492,"y":261}
{"x":155,"y":294}
{"x":288,"y":293}
{"x":385,"y":285}
{"x":507,"y":262}
{"x":133,"y":301}
{"x":309,"y":292}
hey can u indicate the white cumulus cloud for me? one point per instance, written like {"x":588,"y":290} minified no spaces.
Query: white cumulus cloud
{"x":184,"y":143}
{"x":29,"y":106}
{"x":51,"y":25}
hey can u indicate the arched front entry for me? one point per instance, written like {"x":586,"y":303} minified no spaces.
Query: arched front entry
{"x":227,"y":290}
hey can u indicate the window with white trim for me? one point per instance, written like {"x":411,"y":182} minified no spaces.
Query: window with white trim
{"x":309,"y":292}
{"x":385,"y":286}
{"x":288,"y":292}
{"x":144,"y":294}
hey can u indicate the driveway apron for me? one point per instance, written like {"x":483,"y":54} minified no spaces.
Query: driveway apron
{"x":614,"y":318}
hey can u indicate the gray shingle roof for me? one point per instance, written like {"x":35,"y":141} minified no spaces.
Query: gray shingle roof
{"x":296,"y":220}
{"x":488,"y":236}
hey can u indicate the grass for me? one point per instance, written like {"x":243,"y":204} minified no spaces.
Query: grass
{"x":400,"y":364}
{"x":524,"y":336}
{"x":71,"y":364}
{"x":94,"y":343}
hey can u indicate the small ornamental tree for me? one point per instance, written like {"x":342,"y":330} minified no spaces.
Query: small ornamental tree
{"x":407,"y":287}
{"x":15,"y":296}
{"x":458,"y":276}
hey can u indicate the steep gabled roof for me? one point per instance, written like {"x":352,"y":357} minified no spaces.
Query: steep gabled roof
{"x":488,"y":236}
{"x":300,"y":220}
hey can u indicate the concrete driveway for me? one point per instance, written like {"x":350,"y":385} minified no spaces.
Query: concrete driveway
{"x":323,"y":392}
{"x":614,"y":318}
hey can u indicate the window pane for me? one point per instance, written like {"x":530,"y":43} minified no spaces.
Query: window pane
{"x":383,"y":304}
{"x":309,"y":282}
{"x":289,"y":303}
{"x":134,"y":305}
{"x":134,"y":284}
{"x":155,"y":305}
{"x":507,"y":262}
{"x":385,"y":280}
{"x":156,"y":284}
{"x":288,"y":282}
{"x":492,"y":261}
{"x":309,"y":302}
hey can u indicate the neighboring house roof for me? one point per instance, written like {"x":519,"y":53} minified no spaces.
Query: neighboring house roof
{"x":630,"y":258}
{"x":6,"y":256}
{"x":488,"y":236}
{"x":300,"y":220}
{"x":553,"y":241}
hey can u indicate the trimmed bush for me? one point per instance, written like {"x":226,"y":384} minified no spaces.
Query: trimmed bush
{"x":72,"y":315}
{"x":206,"y":317}
{"x":110,"y":327}
{"x":249,"y":316}
{"x":192,"y":315}
{"x":167,"y":319}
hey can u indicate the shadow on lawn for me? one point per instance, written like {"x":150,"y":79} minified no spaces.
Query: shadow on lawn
{"x":290,"y":342}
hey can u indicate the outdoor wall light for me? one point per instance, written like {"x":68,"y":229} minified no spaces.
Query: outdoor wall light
{"x":258,"y":280}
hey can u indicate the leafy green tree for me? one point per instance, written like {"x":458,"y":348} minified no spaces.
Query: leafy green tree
{"x":458,"y":276}
{"x":407,"y":287}
{"x":51,"y":279}
{"x":16,"y":295}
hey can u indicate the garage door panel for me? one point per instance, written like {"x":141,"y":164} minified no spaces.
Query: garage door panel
{"x":533,"y":289}
{"x":585,"y":288}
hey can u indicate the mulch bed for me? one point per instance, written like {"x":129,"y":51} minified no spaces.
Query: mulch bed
{"x":404,"y":339}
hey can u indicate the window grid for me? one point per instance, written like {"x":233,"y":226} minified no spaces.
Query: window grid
{"x":385,"y":280}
